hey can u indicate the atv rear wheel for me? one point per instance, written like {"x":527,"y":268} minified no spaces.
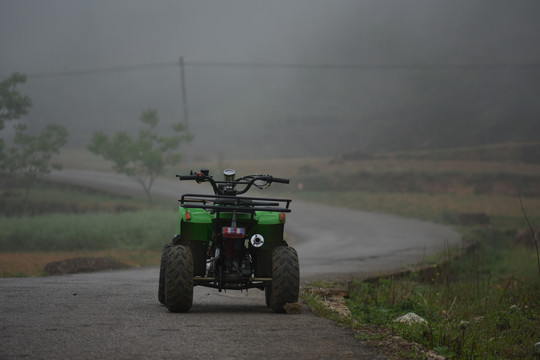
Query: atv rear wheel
{"x":268,"y":294}
{"x":285,"y":278}
{"x":179,"y":279}
{"x":162,"y":266}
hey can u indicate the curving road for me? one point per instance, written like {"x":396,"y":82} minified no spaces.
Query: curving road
{"x":330,"y":241}
{"x":115,"y":315}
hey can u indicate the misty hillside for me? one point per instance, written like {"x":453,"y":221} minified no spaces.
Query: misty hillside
{"x":283,"y":78}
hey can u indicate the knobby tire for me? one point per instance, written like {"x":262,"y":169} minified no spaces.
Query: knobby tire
{"x":179,"y":279}
{"x":162,"y":266}
{"x":285,"y":278}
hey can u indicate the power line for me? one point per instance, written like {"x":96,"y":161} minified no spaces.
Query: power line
{"x":269,"y":65}
{"x":365,"y":66}
{"x":112,"y":69}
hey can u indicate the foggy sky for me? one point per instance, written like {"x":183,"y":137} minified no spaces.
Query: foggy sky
{"x":40,"y":38}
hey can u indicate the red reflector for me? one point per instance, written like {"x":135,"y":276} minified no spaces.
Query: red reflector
{"x":233,"y":232}
{"x":187,"y":215}
{"x":282,"y":217}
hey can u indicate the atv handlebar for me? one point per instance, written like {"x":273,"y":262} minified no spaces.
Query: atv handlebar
{"x":229,"y":187}
{"x":187,"y":177}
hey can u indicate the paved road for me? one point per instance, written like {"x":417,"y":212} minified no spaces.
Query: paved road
{"x":115,"y":315}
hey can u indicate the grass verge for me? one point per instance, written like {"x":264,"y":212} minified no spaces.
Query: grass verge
{"x":482,"y":305}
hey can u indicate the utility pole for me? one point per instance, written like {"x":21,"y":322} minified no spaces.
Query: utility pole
{"x":184,"y":105}
{"x":184,"y":94}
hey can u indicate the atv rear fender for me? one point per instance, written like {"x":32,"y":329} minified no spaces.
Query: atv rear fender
{"x":196,"y":227}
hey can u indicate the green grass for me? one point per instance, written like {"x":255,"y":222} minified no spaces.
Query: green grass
{"x":147,"y":229}
{"x":493,"y":314}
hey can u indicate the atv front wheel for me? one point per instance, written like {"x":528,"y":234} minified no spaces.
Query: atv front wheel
{"x":179,"y":279}
{"x":162,"y":266}
{"x":285,"y":278}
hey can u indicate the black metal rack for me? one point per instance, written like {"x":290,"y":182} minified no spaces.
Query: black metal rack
{"x":225,"y":203}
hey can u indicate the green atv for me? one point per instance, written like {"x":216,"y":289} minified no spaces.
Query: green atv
{"x":229,"y":242}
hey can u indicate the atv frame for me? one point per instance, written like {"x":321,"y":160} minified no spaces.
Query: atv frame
{"x":229,"y":242}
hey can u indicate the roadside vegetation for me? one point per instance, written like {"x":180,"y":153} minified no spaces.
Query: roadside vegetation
{"x":69,"y":221}
{"x":483,"y":304}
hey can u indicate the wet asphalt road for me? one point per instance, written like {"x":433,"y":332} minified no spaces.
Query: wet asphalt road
{"x":116,"y":315}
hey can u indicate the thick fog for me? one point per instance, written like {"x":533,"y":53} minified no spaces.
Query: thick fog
{"x":282,"y":78}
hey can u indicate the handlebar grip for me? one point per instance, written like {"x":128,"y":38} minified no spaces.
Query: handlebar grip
{"x":280,"y":180}
{"x":187,"y":177}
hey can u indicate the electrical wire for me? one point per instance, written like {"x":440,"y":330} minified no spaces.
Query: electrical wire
{"x":270,"y":65}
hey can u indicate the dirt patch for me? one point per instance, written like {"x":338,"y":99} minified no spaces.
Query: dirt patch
{"x":83,"y":264}
{"x":393,"y":346}
{"x":17,"y":264}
